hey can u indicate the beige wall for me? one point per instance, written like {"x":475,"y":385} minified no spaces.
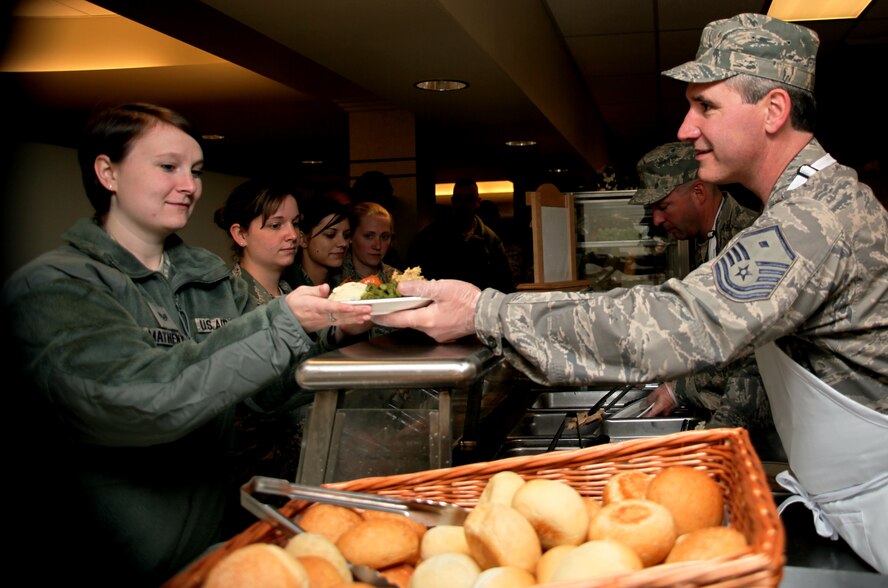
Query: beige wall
{"x":43,"y":195}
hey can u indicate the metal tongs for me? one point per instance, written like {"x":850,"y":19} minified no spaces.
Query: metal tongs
{"x":274,"y":516}
{"x":428,"y":512}
{"x":574,"y":420}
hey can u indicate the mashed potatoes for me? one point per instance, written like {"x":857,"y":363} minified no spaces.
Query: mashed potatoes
{"x":348,"y":291}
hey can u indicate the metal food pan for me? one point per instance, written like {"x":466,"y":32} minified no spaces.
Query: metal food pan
{"x":562,"y":400}
{"x":545,"y":424}
{"x":533,"y":446}
{"x":616,"y":430}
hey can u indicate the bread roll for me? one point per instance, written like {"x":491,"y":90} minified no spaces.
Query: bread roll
{"x":315,"y":544}
{"x":498,"y":535}
{"x":443,"y":539}
{"x":505,"y":577}
{"x":555,"y":510}
{"x":629,"y":484}
{"x":446,"y":570}
{"x":549,"y":562}
{"x":597,"y":558}
{"x":501,"y":487}
{"x":707,"y":543}
{"x":417,"y":527}
{"x":593,"y":507}
{"x":694,"y":499}
{"x":398,"y":575}
{"x":643,"y":525}
{"x":321,"y":573}
{"x":380,"y":543}
{"x":329,"y":520}
{"x":258,"y":565}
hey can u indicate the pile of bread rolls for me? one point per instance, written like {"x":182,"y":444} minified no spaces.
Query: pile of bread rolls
{"x":521,"y":533}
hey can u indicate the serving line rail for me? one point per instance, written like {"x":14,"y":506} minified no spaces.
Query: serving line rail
{"x":404,"y":359}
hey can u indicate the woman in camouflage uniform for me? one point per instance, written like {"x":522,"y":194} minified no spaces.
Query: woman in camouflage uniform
{"x":262,"y":221}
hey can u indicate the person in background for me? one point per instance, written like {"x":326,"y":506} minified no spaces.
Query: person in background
{"x":375,"y":186}
{"x":372,"y":235}
{"x":262,"y":221}
{"x":461,"y":246}
{"x":130,"y":350}
{"x":341,"y":194}
{"x":805,"y":287}
{"x":489,"y":214}
{"x":684,"y":205}
{"x":699,"y":211}
{"x":326,"y":236}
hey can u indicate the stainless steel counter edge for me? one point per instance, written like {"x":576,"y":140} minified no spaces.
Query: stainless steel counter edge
{"x":398,"y":360}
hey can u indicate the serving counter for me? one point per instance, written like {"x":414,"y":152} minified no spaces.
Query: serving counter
{"x":391,"y":404}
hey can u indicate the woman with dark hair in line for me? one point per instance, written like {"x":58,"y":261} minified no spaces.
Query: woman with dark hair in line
{"x":326,"y":236}
{"x":262,"y":220}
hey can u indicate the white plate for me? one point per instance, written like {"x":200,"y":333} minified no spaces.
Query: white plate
{"x":387,"y":305}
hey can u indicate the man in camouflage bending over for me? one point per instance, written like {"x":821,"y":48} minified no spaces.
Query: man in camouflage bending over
{"x":690,"y":208}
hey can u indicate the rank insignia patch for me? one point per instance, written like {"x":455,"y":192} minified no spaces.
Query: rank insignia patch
{"x":754,"y":265}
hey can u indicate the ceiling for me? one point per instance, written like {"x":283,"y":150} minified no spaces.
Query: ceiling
{"x":278,"y":78}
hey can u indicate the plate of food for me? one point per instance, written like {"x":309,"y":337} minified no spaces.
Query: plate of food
{"x":383,"y":297}
{"x":386,"y":305}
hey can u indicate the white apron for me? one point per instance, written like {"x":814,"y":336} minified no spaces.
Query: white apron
{"x":838,"y":452}
{"x":837,"y":449}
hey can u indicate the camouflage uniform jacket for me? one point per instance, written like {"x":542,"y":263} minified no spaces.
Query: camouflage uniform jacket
{"x":812,"y":271}
{"x":732,"y":218}
{"x":257,"y":290}
{"x":348,"y":272}
{"x":268,"y":425}
{"x":733,"y":395}
{"x":296,"y":276}
{"x":128,"y":395}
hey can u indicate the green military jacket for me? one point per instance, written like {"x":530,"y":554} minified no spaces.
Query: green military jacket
{"x":131,"y":382}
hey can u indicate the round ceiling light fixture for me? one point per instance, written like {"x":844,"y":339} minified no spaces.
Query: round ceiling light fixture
{"x":441,"y":85}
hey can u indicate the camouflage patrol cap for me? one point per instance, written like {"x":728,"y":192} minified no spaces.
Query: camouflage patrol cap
{"x":753,"y":44}
{"x":662,"y":170}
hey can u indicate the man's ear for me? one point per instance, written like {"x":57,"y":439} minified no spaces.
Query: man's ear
{"x":699,"y":191}
{"x":779,"y":107}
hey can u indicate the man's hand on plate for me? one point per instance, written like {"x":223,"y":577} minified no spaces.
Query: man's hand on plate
{"x":450,"y":316}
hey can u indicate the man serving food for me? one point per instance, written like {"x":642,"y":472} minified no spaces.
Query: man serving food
{"x":805,"y":287}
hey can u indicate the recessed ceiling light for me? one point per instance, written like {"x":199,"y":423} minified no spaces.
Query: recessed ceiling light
{"x":521,"y":143}
{"x":441,"y":85}
{"x":558,"y":170}
{"x":212,"y":137}
{"x":312,"y":162}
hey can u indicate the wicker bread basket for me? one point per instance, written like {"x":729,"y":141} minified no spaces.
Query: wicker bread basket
{"x":725,"y":454}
